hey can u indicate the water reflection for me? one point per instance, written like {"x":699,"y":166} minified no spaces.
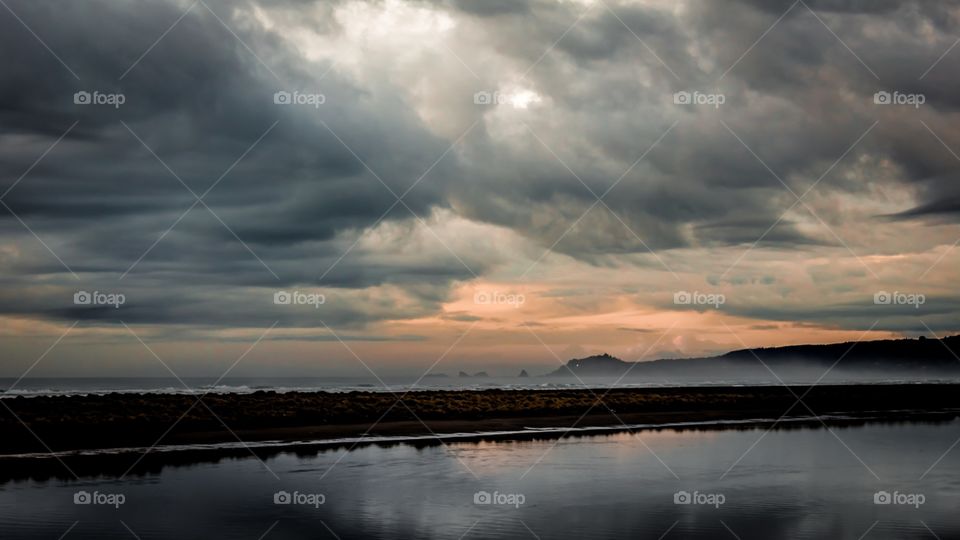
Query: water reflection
{"x":796,"y":482}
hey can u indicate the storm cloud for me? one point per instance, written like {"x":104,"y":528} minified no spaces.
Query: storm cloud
{"x":361,"y":149}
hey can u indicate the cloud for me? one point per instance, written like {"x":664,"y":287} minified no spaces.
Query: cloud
{"x":290,"y":188}
{"x":303,"y":196}
{"x":486,"y":8}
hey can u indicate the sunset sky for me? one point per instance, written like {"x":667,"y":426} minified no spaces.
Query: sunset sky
{"x":486,"y":184}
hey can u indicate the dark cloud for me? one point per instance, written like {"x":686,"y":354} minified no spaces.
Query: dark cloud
{"x":200,"y":101}
{"x":830,"y":6}
{"x":292,"y":188}
{"x":641,"y":330}
{"x":937,"y":313}
{"x":742,"y":230}
{"x":797,"y":101}
{"x":488,"y":8}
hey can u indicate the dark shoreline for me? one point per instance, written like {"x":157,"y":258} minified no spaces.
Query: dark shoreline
{"x":120,"y":463}
{"x":65,"y":423}
{"x":85,"y":430}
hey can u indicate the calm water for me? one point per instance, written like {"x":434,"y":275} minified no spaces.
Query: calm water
{"x":797,"y":483}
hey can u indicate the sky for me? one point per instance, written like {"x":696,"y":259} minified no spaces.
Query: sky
{"x":291,"y":187}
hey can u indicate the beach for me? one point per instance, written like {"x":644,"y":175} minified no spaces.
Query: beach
{"x":88,"y":422}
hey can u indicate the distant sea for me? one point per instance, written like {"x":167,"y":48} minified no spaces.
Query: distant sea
{"x":42,"y":386}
